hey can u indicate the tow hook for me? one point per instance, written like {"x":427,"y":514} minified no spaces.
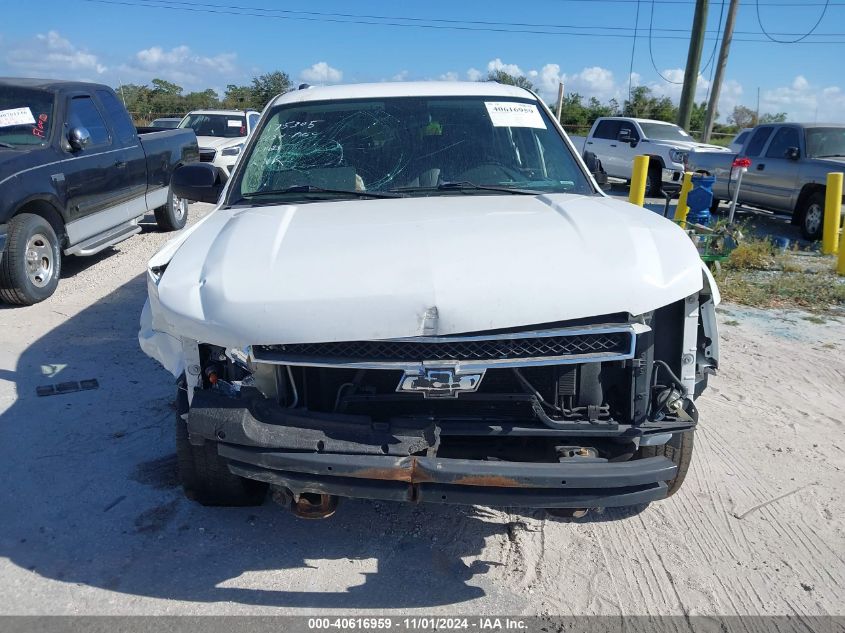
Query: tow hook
{"x":308,"y":505}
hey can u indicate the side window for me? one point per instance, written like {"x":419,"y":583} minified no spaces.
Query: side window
{"x":253,"y":121}
{"x":758,"y":141}
{"x":608,"y":129}
{"x":740,"y":140}
{"x":121,"y":122}
{"x":83,"y":113}
{"x":784,"y":138}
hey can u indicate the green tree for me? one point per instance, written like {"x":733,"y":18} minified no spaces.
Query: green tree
{"x":266,"y":86}
{"x":742,"y":117}
{"x":643,"y":104}
{"x":512,"y":80}
{"x":201,"y":100}
{"x":238,"y":97}
{"x":779,"y":117}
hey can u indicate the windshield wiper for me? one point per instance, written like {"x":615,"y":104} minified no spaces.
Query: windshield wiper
{"x":465,"y":185}
{"x":7,"y":145}
{"x":315,"y":189}
{"x":830,"y":156}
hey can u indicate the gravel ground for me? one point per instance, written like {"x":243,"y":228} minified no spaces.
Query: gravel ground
{"x":93,"y":521}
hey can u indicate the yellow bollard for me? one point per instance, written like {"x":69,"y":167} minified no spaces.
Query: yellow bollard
{"x":637,"y":193}
{"x":682,"y":209}
{"x":832,"y":210}
{"x":840,"y":266}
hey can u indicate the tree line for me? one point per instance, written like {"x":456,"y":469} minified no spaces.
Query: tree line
{"x":164,"y":98}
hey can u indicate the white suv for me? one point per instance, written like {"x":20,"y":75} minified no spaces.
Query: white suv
{"x":221,"y":135}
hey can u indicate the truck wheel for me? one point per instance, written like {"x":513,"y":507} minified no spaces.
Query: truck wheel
{"x":679,"y":450}
{"x":32,"y":263}
{"x":714,"y":206}
{"x":173,"y":215}
{"x":812,"y":216}
{"x":653,"y":183}
{"x":205,"y":476}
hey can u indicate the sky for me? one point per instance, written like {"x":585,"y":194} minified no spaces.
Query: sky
{"x":587,"y":44}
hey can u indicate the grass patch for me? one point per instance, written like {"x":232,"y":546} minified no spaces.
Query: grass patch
{"x":757,"y":274}
{"x":732,"y":322}
{"x":812,"y":318}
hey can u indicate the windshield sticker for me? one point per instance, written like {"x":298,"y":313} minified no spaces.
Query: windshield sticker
{"x":234,"y":123}
{"x":511,"y":114}
{"x":38,"y":130}
{"x":16,"y":116}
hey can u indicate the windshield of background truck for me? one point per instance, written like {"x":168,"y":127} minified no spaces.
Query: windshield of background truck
{"x":410,"y":143}
{"x":825,"y":142}
{"x":221,"y":125}
{"x":25,"y":116}
{"x":664,"y":132}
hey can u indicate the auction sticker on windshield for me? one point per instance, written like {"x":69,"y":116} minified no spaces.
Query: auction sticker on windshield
{"x":16,"y":116}
{"x":511,"y":114}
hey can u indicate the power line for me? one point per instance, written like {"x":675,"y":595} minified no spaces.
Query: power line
{"x":803,"y":37}
{"x":651,"y":50}
{"x":716,"y":42}
{"x":579,"y":30}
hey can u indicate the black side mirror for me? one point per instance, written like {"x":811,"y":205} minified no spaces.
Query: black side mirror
{"x":197,"y":181}
{"x":793,"y":153}
{"x":594,"y":165}
{"x":79,"y":138}
{"x":635,"y":142}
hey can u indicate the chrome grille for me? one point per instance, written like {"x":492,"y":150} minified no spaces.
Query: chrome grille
{"x":515,"y":349}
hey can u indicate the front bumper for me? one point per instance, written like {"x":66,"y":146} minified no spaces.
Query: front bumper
{"x":672,"y":175}
{"x":350,"y":456}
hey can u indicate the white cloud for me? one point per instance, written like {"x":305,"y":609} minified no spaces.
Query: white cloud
{"x":321,"y":73}
{"x":804,"y":101}
{"x":51,"y":54}
{"x":473,"y":74}
{"x":497,"y":64}
{"x":449,"y":76}
{"x":181,"y":65}
{"x":402,"y":75}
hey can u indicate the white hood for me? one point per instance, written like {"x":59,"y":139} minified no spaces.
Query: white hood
{"x":690,"y":146}
{"x":217,"y":142}
{"x":353,"y":270}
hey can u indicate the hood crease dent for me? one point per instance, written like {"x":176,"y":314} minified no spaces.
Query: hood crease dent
{"x":380,"y":269}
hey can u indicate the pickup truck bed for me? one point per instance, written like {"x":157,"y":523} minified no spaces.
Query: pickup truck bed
{"x":75,"y":178}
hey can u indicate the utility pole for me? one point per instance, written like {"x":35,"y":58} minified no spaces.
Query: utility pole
{"x":560,"y":101}
{"x":696,"y":43}
{"x":716,"y":88}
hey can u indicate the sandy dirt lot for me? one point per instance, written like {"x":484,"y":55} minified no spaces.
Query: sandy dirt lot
{"x":93,"y":520}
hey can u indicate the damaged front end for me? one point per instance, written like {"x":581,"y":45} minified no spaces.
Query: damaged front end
{"x":562,"y":415}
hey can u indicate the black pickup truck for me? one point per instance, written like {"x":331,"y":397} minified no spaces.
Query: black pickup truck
{"x":75,"y":178}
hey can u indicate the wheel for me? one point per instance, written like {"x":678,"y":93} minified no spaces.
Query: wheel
{"x":811,"y":218}
{"x":653,"y":183}
{"x":32,"y":263}
{"x":714,"y":206}
{"x":173,"y":215}
{"x":205,"y":476}
{"x":679,"y":450}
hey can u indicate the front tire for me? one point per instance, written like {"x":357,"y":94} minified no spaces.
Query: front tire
{"x":32,"y":262}
{"x":679,"y":450}
{"x":811,"y":217}
{"x":205,"y":476}
{"x":173,"y":215}
{"x":653,"y":183}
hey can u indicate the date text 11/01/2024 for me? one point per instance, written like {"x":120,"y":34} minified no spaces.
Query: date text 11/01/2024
{"x":418,"y":623}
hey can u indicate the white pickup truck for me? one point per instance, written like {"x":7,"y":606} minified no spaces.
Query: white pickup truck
{"x":417,"y":292}
{"x":617,"y":140}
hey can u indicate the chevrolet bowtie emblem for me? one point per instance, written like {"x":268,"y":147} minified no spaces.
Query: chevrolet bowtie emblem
{"x":439,"y":383}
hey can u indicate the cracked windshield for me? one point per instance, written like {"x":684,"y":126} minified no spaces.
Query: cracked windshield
{"x":412,"y":146}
